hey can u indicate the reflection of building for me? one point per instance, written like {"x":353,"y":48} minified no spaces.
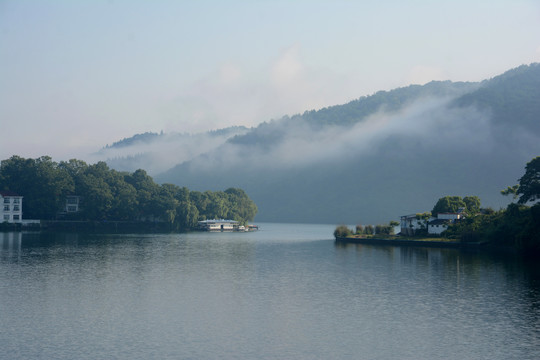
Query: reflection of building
{"x":10,"y":242}
{"x":10,"y":207}
{"x":71,"y":206}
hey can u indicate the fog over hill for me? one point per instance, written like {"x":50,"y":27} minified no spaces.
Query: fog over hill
{"x":378,"y":157}
{"x":159,"y":152}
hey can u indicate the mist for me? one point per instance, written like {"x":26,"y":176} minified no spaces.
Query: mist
{"x":293,"y":142}
{"x":429,"y":123}
{"x":367,"y":161}
{"x":157,"y":153}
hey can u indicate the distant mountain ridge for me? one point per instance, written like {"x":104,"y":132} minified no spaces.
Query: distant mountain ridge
{"x":381,"y":156}
{"x":158,"y":152}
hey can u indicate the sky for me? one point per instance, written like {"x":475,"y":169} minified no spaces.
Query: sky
{"x":78,"y":75}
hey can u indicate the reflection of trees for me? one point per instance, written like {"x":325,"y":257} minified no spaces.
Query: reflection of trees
{"x":366,"y":248}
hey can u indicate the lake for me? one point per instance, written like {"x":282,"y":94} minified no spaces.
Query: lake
{"x":284,"y":292}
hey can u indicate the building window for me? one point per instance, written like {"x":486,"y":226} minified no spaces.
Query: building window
{"x":16,"y":208}
{"x":16,"y":201}
{"x":6,"y":200}
{"x":6,"y":207}
{"x":71,"y":208}
{"x":6,"y":217}
{"x":15,"y":217}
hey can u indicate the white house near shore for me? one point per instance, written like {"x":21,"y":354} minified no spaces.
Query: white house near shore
{"x":10,"y":207}
{"x":410,"y":224}
{"x":72,"y":204}
{"x":218,"y":225}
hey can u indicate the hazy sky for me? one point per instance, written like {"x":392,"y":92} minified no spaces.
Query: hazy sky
{"x":77,"y":75}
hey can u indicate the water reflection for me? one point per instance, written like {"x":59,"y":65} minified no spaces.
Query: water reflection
{"x":265,"y":295}
{"x":471,"y":263}
{"x":10,"y":244}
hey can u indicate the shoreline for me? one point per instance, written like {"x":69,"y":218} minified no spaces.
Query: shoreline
{"x":407,"y":242}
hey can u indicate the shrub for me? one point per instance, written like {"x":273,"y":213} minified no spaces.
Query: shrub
{"x":342,"y":231}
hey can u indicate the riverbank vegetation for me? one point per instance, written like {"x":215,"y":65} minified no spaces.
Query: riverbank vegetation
{"x":366,"y":231}
{"x":516,"y":227}
{"x":109,"y":195}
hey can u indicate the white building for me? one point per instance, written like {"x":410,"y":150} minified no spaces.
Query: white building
{"x":10,"y":207}
{"x":219,"y":225}
{"x":438,"y":226}
{"x":412,"y":223}
{"x":450,"y":216}
{"x":72,"y":204}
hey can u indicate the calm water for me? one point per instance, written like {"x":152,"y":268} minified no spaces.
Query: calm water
{"x":285,"y":292}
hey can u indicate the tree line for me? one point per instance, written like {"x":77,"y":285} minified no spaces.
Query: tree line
{"x":517,"y":226}
{"x":379,"y":229}
{"x":107,"y":194}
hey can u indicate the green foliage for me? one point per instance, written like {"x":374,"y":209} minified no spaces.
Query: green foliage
{"x":384,"y":229}
{"x":511,"y":190}
{"x":518,"y":226}
{"x":448,"y":204}
{"x":107,"y":194}
{"x":359,"y":229}
{"x":472,"y":204}
{"x":529,"y":184}
{"x":452,"y":204}
{"x":342,"y":231}
{"x":510,"y":96}
{"x":41,"y":181}
{"x":369,"y":230}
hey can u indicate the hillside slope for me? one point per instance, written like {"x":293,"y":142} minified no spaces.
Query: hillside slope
{"x":382,"y":156}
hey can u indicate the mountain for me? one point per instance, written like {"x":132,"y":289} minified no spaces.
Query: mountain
{"x":159,"y":152}
{"x":378,"y":157}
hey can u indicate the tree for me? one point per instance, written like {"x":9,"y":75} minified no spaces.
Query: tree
{"x":97,"y":196}
{"x":529,"y":184}
{"x":41,"y":181}
{"x":449,"y":204}
{"x":241,"y":207}
{"x":369,"y":230}
{"x":147,"y":194}
{"x":342,"y":231}
{"x":511,"y":190}
{"x":472,"y":204}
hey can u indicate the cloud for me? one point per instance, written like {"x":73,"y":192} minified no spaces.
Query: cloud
{"x":288,"y":69}
{"x":234,"y":94}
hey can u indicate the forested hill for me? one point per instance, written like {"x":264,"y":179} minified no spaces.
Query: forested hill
{"x":512,"y":98}
{"x":355,"y":111}
{"x":158,"y":152}
{"x":381,"y":156}
{"x":389,"y":101}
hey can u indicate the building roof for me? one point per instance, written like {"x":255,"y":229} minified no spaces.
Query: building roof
{"x":218,"y":221}
{"x":439,"y":222}
{"x":5,"y":193}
